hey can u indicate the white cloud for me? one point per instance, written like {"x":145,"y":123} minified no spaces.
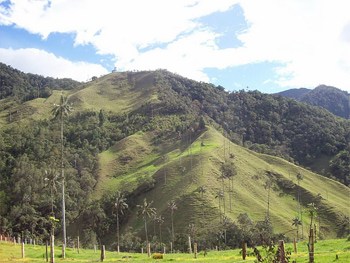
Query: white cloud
{"x":305,"y":35}
{"x":310,"y":38}
{"x":47,"y":64}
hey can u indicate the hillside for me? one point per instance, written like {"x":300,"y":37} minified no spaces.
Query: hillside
{"x":159,"y":136}
{"x":335,"y":100}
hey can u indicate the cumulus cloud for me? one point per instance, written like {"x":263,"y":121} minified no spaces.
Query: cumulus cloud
{"x":309,"y":39}
{"x":47,"y":64}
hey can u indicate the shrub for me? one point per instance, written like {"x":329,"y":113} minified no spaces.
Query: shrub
{"x":157,"y":256}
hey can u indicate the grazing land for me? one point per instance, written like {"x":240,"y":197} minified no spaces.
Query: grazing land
{"x":333,"y":250}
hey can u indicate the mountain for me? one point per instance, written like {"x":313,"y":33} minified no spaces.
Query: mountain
{"x":333,"y":99}
{"x":158,"y":136}
{"x":296,"y":94}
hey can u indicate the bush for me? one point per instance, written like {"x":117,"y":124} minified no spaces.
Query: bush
{"x":157,"y":256}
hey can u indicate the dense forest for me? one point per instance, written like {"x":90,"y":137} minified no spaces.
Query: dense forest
{"x":23,"y":87}
{"x":30,"y":152}
{"x":335,"y":100}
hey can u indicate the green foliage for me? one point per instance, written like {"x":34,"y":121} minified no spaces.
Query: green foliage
{"x":25,"y":87}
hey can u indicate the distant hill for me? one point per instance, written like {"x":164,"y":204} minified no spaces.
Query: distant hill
{"x":297,"y":94}
{"x":158,"y":136}
{"x":24,"y":87}
{"x":333,"y":99}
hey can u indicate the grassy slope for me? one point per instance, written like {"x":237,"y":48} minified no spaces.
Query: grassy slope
{"x":176,"y":180}
{"x":113,"y":92}
{"x":325,"y":252}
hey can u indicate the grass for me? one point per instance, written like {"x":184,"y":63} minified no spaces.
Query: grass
{"x":325,"y":252}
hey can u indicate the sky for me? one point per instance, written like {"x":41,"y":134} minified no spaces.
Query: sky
{"x":265,"y":45}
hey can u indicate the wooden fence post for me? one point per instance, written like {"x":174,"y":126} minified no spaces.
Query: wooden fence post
{"x":311,"y":246}
{"x":171,"y":247}
{"x":23,"y":250}
{"x":189,"y":245}
{"x":295,"y":246}
{"x":149,"y":249}
{"x":52,"y":249}
{"x":282,"y":254}
{"x":46,"y":252}
{"x":195,"y":250}
{"x":244,"y":250}
{"x":78,"y":245}
{"x":103,"y":253}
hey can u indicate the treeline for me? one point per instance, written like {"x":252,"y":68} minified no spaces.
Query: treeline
{"x":23,"y":87}
{"x":265,"y":123}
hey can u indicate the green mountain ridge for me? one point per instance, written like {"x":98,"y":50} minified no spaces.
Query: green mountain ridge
{"x":159,"y":136}
{"x":333,"y":99}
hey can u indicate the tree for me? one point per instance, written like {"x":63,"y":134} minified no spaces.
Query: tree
{"x":146,"y":211}
{"x":220,"y":195}
{"x":120,"y":205}
{"x":267,"y":187}
{"x":296,"y":223}
{"x":160,"y":221}
{"x":172,"y":206}
{"x":299,"y":178}
{"x":51,"y":178}
{"x":228,"y":170}
{"x":202,"y":189}
{"x":59,"y":112}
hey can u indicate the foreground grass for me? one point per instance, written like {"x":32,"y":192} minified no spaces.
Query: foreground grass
{"x":326,"y":251}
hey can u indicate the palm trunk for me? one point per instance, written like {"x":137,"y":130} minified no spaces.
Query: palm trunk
{"x":172,"y":227}
{"x":63,"y":195}
{"x":118,"y":244}
{"x":146,"y":231}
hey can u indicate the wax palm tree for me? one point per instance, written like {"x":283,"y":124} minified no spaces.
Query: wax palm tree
{"x":267,"y":186}
{"x":160,"y":221}
{"x":202,"y":189}
{"x":312,"y":212}
{"x":51,"y":182}
{"x":300,"y":177}
{"x":172,"y":206}
{"x":59,"y":112}
{"x":120,"y":205}
{"x":220,"y":195}
{"x":296,"y":223}
{"x":146,"y":211}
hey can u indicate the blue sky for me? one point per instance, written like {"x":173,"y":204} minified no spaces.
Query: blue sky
{"x":267,"y":45}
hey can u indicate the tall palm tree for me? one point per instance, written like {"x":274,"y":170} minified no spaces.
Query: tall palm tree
{"x":202,"y":189}
{"x":173,"y":207}
{"x":160,"y":221}
{"x":296,"y":223}
{"x":267,"y":187}
{"x":59,"y":112}
{"x":120,"y":205}
{"x":146,"y":211}
{"x":220,"y":195}
{"x":51,"y":178}
{"x":299,"y":178}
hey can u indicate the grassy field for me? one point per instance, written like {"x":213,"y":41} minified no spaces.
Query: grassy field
{"x":326,"y":251}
